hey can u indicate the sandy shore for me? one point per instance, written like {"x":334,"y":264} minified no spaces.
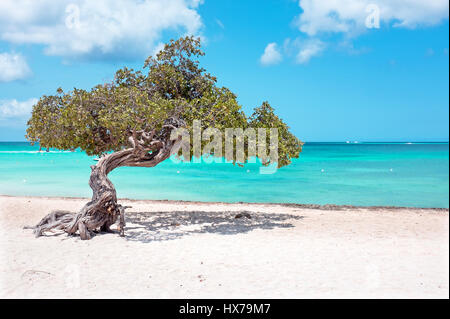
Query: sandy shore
{"x":200,"y":250}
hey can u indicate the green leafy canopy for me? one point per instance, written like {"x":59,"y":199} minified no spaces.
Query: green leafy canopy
{"x":171,"y":85}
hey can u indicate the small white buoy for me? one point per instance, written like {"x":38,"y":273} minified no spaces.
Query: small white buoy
{"x":391,"y":169}
{"x":248,"y":171}
{"x":24,"y":180}
{"x":178,"y":172}
{"x":322,"y":170}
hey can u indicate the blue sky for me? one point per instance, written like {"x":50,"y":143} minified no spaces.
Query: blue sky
{"x":331,"y":74}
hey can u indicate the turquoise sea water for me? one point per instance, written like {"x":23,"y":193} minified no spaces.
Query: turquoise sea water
{"x":365,"y":174}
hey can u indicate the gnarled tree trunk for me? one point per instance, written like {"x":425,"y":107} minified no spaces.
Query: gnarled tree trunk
{"x":103,"y":210}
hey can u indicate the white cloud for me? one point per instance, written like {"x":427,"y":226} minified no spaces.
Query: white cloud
{"x":271,"y":54}
{"x":13,"y":67}
{"x":309,"y":49}
{"x":101,"y":28}
{"x":349,"y":16}
{"x":13,"y":109}
{"x":158,"y":48}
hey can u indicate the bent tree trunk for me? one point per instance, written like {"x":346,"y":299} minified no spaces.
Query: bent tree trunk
{"x":98,"y":214}
{"x":103,"y":210}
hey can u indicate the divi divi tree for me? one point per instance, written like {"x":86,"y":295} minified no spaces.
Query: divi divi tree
{"x":129,"y":122}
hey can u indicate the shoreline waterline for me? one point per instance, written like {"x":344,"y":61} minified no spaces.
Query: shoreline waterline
{"x":329,"y":207}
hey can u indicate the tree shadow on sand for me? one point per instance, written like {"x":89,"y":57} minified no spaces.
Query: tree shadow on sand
{"x":157,"y":226}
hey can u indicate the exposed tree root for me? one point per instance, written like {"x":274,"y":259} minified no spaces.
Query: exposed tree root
{"x":83,"y":223}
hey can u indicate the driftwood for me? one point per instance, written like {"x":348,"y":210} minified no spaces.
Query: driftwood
{"x":148,"y":149}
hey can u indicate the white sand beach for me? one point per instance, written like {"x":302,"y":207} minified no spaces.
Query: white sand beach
{"x":200,"y":250}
